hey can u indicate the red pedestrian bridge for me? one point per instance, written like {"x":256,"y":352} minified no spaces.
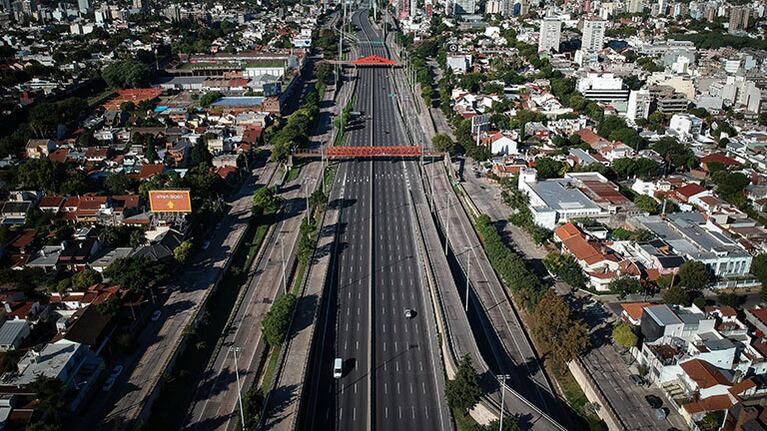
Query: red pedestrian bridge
{"x":351,"y":152}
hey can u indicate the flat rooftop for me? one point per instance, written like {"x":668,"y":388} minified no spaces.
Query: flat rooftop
{"x":561,"y":194}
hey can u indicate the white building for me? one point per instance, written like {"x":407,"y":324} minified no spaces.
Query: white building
{"x":593,"y":34}
{"x":639,"y":104}
{"x":604,"y":87}
{"x":556,"y":200}
{"x":686,"y":126}
{"x":550,"y":34}
{"x":459,"y":64}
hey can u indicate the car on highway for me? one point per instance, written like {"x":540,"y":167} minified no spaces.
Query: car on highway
{"x":409,"y":313}
{"x":113,"y":375}
{"x":338,"y":368}
{"x":156,"y":315}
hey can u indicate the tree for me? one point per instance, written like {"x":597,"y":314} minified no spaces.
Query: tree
{"x":563,"y":337}
{"x":323,"y":71}
{"x":565,"y":267}
{"x":137,"y":238}
{"x":208,"y":98}
{"x":126,"y":73}
{"x":759,"y":268}
{"x":676,"y":295}
{"x":265,"y":200}
{"x":137,"y":274}
{"x":200,"y":154}
{"x":694,"y":275}
{"x":117,"y":183}
{"x":510,"y":423}
{"x":646,"y":203}
{"x":623,"y":334}
{"x":277,"y":319}
{"x":84,"y":279}
{"x":182,"y":251}
{"x":110,"y":307}
{"x":548,"y":167}
{"x":442,"y":142}
{"x":623,"y":286}
{"x":318,"y":199}
{"x":52,"y":397}
{"x":463,"y":391}
{"x":38,"y":174}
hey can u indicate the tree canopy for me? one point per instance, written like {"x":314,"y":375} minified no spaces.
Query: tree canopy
{"x":624,"y":335}
{"x":463,"y":391}
{"x":127,"y":74}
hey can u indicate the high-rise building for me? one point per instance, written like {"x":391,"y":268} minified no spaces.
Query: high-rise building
{"x":635,"y":6}
{"x":593,"y":34}
{"x":464,"y":7}
{"x":549,"y":38}
{"x":739,"y":18}
{"x":639,"y":104}
{"x":493,"y":7}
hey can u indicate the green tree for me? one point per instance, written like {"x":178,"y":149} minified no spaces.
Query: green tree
{"x":562,"y":336}
{"x":38,"y":174}
{"x":695,"y":275}
{"x":208,"y":98}
{"x":200,"y":154}
{"x":676,"y":295}
{"x":126,"y":73}
{"x":548,"y":167}
{"x":442,"y":142}
{"x":323,"y":71}
{"x":52,"y":397}
{"x":759,"y":268}
{"x":137,"y":274}
{"x":646,"y":203}
{"x":566,"y":268}
{"x":463,"y":391}
{"x":84,"y":279}
{"x":318,"y":199}
{"x":137,"y":238}
{"x":277,"y":319}
{"x":110,"y":307}
{"x":117,"y":183}
{"x":624,"y":335}
{"x":182,"y":252}
{"x":265,"y":200}
{"x":623,"y":286}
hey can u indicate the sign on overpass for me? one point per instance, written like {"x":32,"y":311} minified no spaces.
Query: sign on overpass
{"x":374,"y":61}
{"x":170,"y":201}
{"x":367,"y":151}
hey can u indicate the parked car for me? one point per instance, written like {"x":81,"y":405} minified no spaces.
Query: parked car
{"x":637,"y":379}
{"x":654,"y":401}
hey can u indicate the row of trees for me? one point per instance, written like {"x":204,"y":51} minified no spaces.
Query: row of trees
{"x":554,"y":326}
{"x":294,"y":131}
{"x":566,"y":268}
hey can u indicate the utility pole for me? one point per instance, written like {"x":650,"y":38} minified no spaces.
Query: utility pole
{"x":234,"y":351}
{"x":468,"y":275}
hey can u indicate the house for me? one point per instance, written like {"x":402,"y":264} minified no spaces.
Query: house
{"x":632,"y":312}
{"x":51,"y":204}
{"x":686,"y":192}
{"x":103,"y":258}
{"x":758,"y":317}
{"x":501,"y":144}
{"x":660,"y":321}
{"x":96,"y":154}
{"x":15,"y":212}
{"x":162,"y":247}
{"x":600,"y":267}
{"x":37,"y":148}
{"x":721,"y":159}
{"x":70,"y":362}
{"x":12,"y":334}
{"x":91,"y":328}
{"x":76,"y":255}
{"x":47,"y":258}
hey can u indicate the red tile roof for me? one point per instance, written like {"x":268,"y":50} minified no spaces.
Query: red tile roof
{"x":635,"y":309}
{"x":690,"y":190}
{"x":710,"y":404}
{"x":704,"y":374}
{"x":719,"y":158}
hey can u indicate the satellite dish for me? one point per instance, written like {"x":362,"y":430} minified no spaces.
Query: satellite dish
{"x":453,"y":48}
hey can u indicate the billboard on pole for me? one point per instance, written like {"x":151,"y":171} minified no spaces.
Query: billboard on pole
{"x":170,"y":201}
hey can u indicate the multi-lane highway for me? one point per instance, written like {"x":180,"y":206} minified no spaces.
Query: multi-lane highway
{"x":390,"y":378}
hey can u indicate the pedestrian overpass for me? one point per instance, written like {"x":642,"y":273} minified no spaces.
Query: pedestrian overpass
{"x":369,"y":61}
{"x":366,"y":152}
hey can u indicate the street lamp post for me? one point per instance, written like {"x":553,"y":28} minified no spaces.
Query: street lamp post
{"x":502,"y":378}
{"x":468,"y":275}
{"x":234,"y":351}
{"x":447,"y":217}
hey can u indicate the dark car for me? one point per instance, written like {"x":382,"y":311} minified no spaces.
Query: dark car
{"x":637,"y":379}
{"x":654,"y":401}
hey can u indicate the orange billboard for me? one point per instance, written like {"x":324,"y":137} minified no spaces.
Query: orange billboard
{"x":170,"y":201}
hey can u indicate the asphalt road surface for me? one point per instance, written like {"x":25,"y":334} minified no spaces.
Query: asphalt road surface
{"x":393,"y":385}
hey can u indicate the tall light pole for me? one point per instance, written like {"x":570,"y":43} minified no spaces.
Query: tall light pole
{"x":502,"y":378}
{"x":234,"y":351}
{"x":282,"y":254}
{"x":447,"y":217}
{"x":468,"y":274}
